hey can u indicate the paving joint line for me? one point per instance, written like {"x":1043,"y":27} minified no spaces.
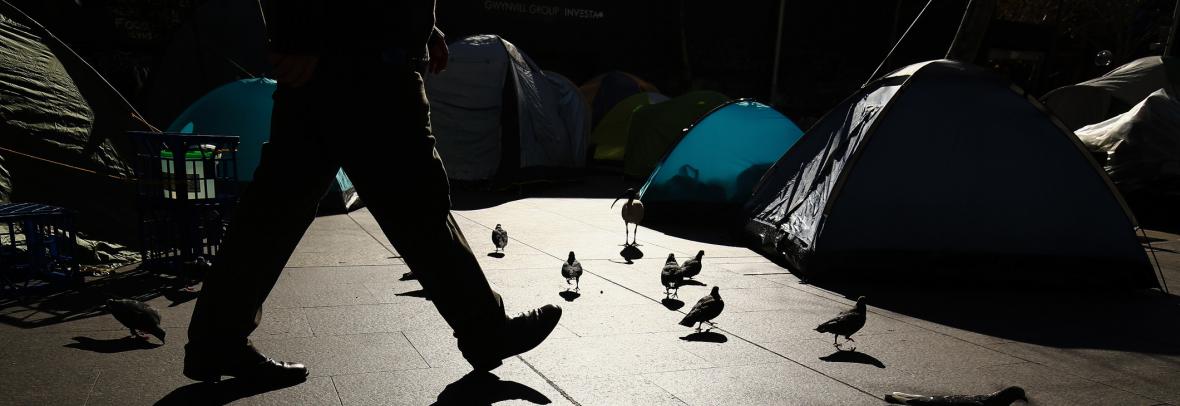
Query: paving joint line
{"x":549,"y":381}
{"x":339,"y":399}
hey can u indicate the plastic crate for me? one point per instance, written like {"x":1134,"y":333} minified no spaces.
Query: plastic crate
{"x":36,"y":242}
{"x":187,"y":186}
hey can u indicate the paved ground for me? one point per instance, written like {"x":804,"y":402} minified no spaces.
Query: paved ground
{"x":370,"y":339}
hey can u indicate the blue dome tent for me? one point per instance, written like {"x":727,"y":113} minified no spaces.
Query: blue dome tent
{"x":243,"y":108}
{"x":719,"y":159}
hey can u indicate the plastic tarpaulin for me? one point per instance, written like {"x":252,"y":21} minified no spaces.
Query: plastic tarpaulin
{"x":1142,"y":145}
{"x":1106,"y":96}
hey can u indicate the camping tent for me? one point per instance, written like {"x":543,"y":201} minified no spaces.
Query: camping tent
{"x":1112,"y":94}
{"x":719,"y":159}
{"x":604,"y":91}
{"x":609,"y":138}
{"x":494,"y":112}
{"x":942,"y":171}
{"x":573,"y":111}
{"x":56,"y":115}
{"x":243,"y":108}
{"x":1142,"y":146}
{"x":656,"y":128}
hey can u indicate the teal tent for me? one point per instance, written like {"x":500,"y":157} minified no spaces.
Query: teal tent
{"x":719,"y":159}
{"x":243,"y":108}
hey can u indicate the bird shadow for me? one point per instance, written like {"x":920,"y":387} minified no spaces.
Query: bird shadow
{"x":112,"y":346}
{"x":569,"y":295}
{"x":415,"y":293}
{"x":630,"y":253}
{"x":485,"y":388}
{"x":181,"y":296}
{"x":218,"y":393}
{"x":496,"y":254}
{"x":706,"y":337}
{"x":690,"y":282}
{"x":853,"y":357}
{"x":672,"y":304}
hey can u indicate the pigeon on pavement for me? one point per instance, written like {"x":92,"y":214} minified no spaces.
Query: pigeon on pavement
{"x":692,"y":266}
{"x":706,"y":309}
{"x":137,"y":316}
{"x":1003,"y":397}
{"x":671,"y":276}
{"x":846,"y":323}
{"x":499,"y":238}
{"x":572,"y":270}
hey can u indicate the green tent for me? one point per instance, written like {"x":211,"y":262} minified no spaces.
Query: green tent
{"x":656,"y":128}
{"x":609,"y":139}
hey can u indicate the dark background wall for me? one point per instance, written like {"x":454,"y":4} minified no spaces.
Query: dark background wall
{"x":829,"y":48}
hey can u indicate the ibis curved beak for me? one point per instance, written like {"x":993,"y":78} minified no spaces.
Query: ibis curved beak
{"x":612,"y":204}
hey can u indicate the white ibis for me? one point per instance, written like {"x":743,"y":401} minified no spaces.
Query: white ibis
{"x":632,"y":211}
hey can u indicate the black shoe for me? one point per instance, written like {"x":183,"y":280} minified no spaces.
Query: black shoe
{"x":519,"y":334}
{"x":245,"y":362}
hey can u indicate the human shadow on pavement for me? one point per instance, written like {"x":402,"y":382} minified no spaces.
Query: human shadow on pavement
{"x":569,"y":295}
{"x":706,"y":337}
{"x":855,"y":357}
{"x":485,"y":388}
{"x":415,"y":293}
{"x":218,"y":393}
{"x":112,"y":346}
{"x":672,"y":304}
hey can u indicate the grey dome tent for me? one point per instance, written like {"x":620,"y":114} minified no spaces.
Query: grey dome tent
{"x":495,"y":113}
{"x":943,"y":172}
{"x":1114,"y":93}
{"x":1142,"y":146}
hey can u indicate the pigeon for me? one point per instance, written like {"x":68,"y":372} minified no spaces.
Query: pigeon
{"x":706,"y":309}
{"x":671,"y":276}
{"x":846,"y":323}
{"x":572,"y":270}
{"x":499,"y":238}
{"x":1003,"y":397}
{"x":632,"y":211}
{"x":692,"y":266}
{"x":137,"y":316}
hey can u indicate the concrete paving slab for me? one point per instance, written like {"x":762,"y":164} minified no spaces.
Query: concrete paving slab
{"x":619,"y":390}
{"x":510,"y":384}
{"x":762,"y":384}
{"x":376,"y":318}
{"x":347,"y":354}
{"x":584,"y":358}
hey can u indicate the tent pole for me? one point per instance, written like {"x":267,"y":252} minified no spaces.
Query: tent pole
{"x":778,"y":50}
{"x":1173,"y":49}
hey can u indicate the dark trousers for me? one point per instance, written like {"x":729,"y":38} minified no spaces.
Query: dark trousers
{"x":374,"y":121}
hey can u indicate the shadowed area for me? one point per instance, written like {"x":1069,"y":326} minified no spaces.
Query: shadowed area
{"x":672,"y":304}
{"x":112,"y":346}
{"x":218,"y":393}
{"x":853,"y":357}
{"x":706,"y":337}
{"x":483,"y":388}
{"x":569,"y":295}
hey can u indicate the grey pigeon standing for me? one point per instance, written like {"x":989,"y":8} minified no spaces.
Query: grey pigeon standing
{"x":499,"y":238}
{"x":692,"y":266}
{"x":137,"y":316}
{"x":572,"y":270}
{"x":671,"y":276}
{"x":1003,"y":397}
{"x":706,"y":309}
{"x":846,"y":323}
